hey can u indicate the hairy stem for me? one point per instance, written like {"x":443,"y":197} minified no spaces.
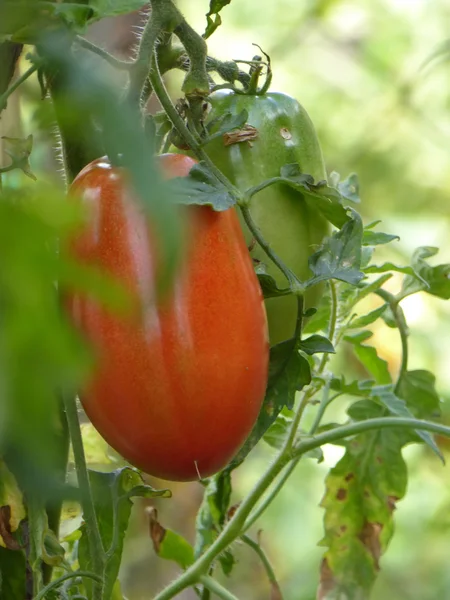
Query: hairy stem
{"x":95,"y":543}
{"x":123,"y":65}
{"x":215,"y":587}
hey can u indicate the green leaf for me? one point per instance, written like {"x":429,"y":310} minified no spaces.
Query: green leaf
{"x":375,"y":365}
{"x":201,"y":187}
{"x":389,"y":266}
{"x":227,"y":123}
{"x":358,"y":337}
{"x":361,"y":494}
{"x":434,"y":280}
{"x":319,"y":196}
{"x":289,"y":372}
{"x":359,"y":387}
{"x":349,"y":188}
{"x":168,"y":544}
{"x":268,"y":284}
{"x":316,"y":344}
{"x":376,"y":238}
{"x":112,"y":493}
{"x":418,"y":390}
{"x":319,"y":321}
{"x":12,"y":509}
{"x":340,"y":255}
{"x":212,"y":515}
{"x":369,"y":318}
{"x":213,"y":20}
{"x":364,"y":289}
{"x":13,"y":572}
{"x":396,"y":406}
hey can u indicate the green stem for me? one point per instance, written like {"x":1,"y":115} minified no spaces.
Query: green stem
{"x":332,"y":327}
{"x":215,"y":587}
{"x":177,"y":121}
{"x":57,"y":582}
{"x":259,"y":510}
{"x":109,"y":58}
{"x":324,"y":404}
{"x":196,"y":82}
{"x":13,"y":87}
{"x":292,"y":279}
{"x":235,"y":525}
{"x":163,"y":18}
{"x":400,"y":321}
{"x":265,"y":561}
{"x":95,"y":543}
{"x":328,"y":437}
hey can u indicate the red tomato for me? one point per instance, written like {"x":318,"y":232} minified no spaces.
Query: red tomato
{"x":178,"y":385}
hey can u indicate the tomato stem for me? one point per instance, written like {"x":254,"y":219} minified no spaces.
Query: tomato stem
{"x":95,"y":543}
{"x":13,"y":87}
{"x":214,"y":586}
{"x":266,"y":563}
{"x":402,"y":326}
{"x":294,"y":283}
{"x":123,"y":65}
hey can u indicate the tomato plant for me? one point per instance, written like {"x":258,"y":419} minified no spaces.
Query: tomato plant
{"x":179,"y":384}
{"x":180,"y":379}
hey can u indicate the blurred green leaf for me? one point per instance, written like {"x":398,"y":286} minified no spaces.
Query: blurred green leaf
{"x":13,"y":569}
{"x":201,"y":187}
{"x":369,"y":318}
{"x":213,"y":20}
{"x":112,"y":493}
{"x":12,"y":509}
{"x":376,"y":238}
{"x":434,"y":280}
{"x":418,"y":390}
{"x":348,"y":188}
{"x":368,"y":356}
{"x":212,"y":515}
{"x":316,"y":344}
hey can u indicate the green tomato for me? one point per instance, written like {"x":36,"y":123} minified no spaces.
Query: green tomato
{"x":294,"y":229}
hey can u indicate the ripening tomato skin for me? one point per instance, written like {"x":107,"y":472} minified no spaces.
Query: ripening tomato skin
{"x":179,"y":384}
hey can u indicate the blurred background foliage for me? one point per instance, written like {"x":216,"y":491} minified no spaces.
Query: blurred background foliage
{"x":357,"y":69}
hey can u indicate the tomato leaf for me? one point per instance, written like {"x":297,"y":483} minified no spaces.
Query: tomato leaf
{"x":396,"y":406}
{"x":319,"y":196}
{"x":168,"y":544}
{"x":203,"y":188}
{"x":212,"y":515}
{"x":369,"y":318}
{"x":227,"y":123}
{"x":348,"y":188}
{"x":434,"y":280}
{"x":316,"y":344}
{"x":376,"y":238}
{"x":375,"y":365}
{"x":354,"y":388}
{"x":320,"y":319}
{"x":361,"y":494}
{"x":418,"y":390}
{"x":268,"y":283}
{"x":275,"y":436}
{"x":289,"y":372}
{"x":112,"y":494}
{"x":340,"y":255}
{"x":13,"y":574}
{"x":213,"y":20}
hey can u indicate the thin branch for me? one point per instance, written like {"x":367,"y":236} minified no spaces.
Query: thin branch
{"x":13,"y":87}
{"x":215,"y":587}
{"x":265,"y":561}
{"x":123,"y":65}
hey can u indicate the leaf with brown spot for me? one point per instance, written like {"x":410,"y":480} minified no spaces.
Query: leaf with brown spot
{"x":361,"y":494}
{"x":12,"y":509}
{"x":168,"y":544}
